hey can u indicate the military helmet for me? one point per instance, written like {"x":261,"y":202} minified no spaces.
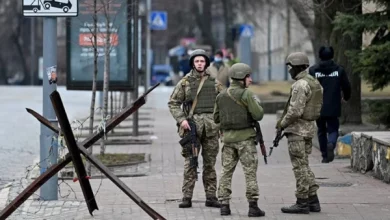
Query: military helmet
{"x":199,"y":52}
{"x":239,"y":71}
{"x":297,"y":59}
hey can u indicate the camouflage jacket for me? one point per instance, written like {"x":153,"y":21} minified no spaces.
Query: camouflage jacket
{"x":254,"y":108}
{"x":181,"y":92}
{"x":291,"y":121}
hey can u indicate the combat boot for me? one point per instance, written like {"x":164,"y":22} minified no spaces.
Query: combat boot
{"x":225,"y":209}
{"x":254,"y":210}
{"x":330,"y":153}
{"x":314,"y":204}
{"x":212,"y":202}
{"x":186,"y":203}
{"x":300,"y":207}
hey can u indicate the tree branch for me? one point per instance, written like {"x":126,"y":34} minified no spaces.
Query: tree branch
{"x":302,"y":15}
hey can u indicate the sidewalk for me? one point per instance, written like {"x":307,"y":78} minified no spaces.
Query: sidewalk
{"x":343,"y":194}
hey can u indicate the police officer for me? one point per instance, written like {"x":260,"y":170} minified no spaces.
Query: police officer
{"x":186,"y":92}
{"x":235,"y":109}
{"x":298,"y":122}
{"x":333,"y":79}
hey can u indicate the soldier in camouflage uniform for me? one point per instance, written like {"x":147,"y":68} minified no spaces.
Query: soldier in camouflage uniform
{"x":183,"y":94}
{"x":236,"y":109}
{"x":298,"y":123}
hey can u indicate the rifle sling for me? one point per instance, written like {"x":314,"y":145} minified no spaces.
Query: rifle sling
{"x":235,"y":100}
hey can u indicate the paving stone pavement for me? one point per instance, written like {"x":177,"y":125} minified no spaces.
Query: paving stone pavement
{"x":343,"y":193}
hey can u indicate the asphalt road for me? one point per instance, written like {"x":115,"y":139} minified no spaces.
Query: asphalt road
{"x":19,"y":131}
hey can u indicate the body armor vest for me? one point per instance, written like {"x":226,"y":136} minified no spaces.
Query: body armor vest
{"x":206,"y":97}
{"x":313,"y":107}
{"x":234,"y":116}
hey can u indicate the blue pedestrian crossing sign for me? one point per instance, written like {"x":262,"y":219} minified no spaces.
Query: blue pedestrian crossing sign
{"x":158,"y":20}
{"x":246,"y":30}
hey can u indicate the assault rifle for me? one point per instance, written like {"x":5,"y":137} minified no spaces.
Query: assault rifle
{"x":191,"y":146}
{"x":278,"y":137}
{"x":260,"y":140}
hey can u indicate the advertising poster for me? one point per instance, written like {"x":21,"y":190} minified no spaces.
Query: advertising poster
{"x":81,"y":45}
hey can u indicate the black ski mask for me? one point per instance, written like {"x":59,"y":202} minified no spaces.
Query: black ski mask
{"x":295,"y":70}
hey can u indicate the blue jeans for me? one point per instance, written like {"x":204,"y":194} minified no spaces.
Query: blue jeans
{"x":328,"y":132}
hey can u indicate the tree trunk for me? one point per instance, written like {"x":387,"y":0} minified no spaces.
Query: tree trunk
{"x":3,"y":71}
{"x":321,"y":34}
{"x":351,"y":111}
{"x":106,"y":78}
{"x":19,"y":49}
{"x":207,"y":33}
{"x":228,"y":22}
{"x":94,"y":76}
{"x":323,"y":27}
{"x":202,"y":9}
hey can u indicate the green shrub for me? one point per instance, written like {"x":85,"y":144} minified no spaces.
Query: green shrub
{"x":379,"y":113}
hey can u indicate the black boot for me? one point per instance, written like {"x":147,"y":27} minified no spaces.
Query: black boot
{"x":324,"y":160}
{"x":212,"y":202}
{"x":225,"y":209}
{"x":186,"y":203}
{"x":254,"y":210}
{"x":300,"y":207}
{"x":314,"y":204}
{"x":330,"y":153}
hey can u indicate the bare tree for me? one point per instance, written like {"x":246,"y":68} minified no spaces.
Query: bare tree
{"x":106,"y":76}
{"x":94,"y":76}
{"x":321,"y":32}
{"x":110,"y":11}
{"x":351,"y":112}
{"x":12,"y":33}
{"x":202,"y":11}
{"x":104,"y":39}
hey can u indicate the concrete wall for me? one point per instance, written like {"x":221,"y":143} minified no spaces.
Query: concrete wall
{"x":371,"y":154}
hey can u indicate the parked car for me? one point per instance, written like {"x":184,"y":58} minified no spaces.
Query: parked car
{"x":162,"y":73}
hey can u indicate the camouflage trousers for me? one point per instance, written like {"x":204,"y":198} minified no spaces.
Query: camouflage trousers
{"x":209,"y":152}
{"x":299,"y":149}
{"x":246,"y":153}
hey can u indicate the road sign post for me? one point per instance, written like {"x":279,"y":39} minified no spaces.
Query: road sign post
{"x":245,"y":52}
{"x":48,"y":150}
{"x":50,"y":10}
{"x":148,"y":43}
{"x":135,"y":63}
{"x":158,"y":20}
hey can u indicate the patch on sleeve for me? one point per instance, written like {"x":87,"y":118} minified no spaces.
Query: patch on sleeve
{"x":294,"y":95}
{"x":256,"y":99}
